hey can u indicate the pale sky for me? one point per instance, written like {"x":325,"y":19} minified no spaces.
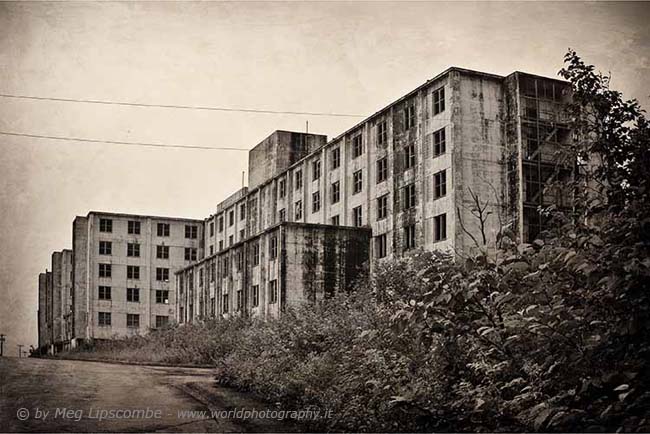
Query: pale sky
{"x":315,"y":57}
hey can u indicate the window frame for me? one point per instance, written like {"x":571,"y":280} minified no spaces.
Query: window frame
{"x":357,"y":216}
{"x":133,"y":272}
{"x":440,"y":184}
{"x":438,"y":100}
{"x":133,"y":250}
{"x":357,"y":145}
{"x":357,"y":182}
{"x":132,"y":295}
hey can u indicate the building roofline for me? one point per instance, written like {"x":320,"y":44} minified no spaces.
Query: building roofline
{"x":379,"y":112}
{"x":543,"y":77}
{"x":117,"y":214}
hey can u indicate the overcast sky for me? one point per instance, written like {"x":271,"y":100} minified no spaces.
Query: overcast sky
{"x":324,"y":57}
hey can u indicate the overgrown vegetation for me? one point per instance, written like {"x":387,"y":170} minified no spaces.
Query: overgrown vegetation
{"x":551,"y":336}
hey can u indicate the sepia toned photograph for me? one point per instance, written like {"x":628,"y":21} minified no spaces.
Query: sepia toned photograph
{"x":379,"y":216}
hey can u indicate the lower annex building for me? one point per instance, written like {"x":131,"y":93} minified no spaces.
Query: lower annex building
{"x":314,"y":211}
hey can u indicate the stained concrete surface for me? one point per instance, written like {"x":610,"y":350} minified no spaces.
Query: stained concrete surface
{"x":85,"y":388}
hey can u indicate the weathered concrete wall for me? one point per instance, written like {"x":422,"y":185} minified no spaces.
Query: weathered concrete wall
{"x":278,"y":152}
{"x":43,"y":309}
{"x":322,"y":260}
{"x":80,"y":277}
{"x":479,"y":161}
{"x":311,"y":262}
{"x":87,"y":259}
{"x":57,"y":296}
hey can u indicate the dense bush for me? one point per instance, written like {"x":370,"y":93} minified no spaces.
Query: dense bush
{"x":548,"y":336}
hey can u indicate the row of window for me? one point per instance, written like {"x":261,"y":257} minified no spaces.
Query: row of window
{"x":133,"y":251}
{"x":134,"y":228}
{"x":439,"y":234}
{"x":104,"y":319}
{"x":410,"y":160}
{"x":132,"y":294}
{"x":255,"y":297}
{"x":133,"y":272}
{"x":409,"y":198}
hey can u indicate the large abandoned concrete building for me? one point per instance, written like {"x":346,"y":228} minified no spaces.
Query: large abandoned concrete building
{"x":411,"y":176}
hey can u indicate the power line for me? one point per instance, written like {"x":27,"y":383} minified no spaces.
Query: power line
{"x":116,"y":142}
{"x":183,"y":107}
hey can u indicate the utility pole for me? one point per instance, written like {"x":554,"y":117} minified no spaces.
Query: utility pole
{"x":2,"y":344}
{"x":20,"y":351}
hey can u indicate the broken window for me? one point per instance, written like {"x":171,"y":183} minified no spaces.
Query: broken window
{"x":336,"y":157}
{"x":105,"y":225}
{"x":357,"y":146}
{"x":382,"y":207}
{"x":439,"y":100}
{"x":409,"y":237}
{"x":133,"y":227}
{"x":191,"y":232}
{"x":132,"y":272}
{"x":240,"y":300}
{"x":382,"y":133}
{"x":105,"y":270}
{"x":381,"y":245}
{"x":104,"y":293}
{"x":255,"y":292}
{"x":273,"y":291}
{"x":440,"y":184}
{"x":104,"y":319}
{"x":282,"y":188}
{"x":162,"y":274}
{"x":298,"y":209}
{"x":105,"y":247}
{"x":409,"y":196}
{"x":336,"y":220}
{"x":256,"y":254}
{"x":409,"y":115}
{"x":440,"y":227}
{"x":298,"y":179}
{"x":336,"y":192}
{"x":273,"y":247}
{"x":190,"y":253}
{"x":161,"y":321}
{"x":133,"y":295}
{"x":439,"y":142}
{"x":133,"y":250}
{"x":224,"y":303}
{"x":382,"y":169}
{"x":315,"y":202}
{"x":132,"y":320}
{"x":409,"y":156}
{"x":162,"y":296}
{"x":357,"y":216}
{"x":162,"y":229}
{"x":162,"y":252}
{"x":357,"y":182}
{"x":315,"y":169}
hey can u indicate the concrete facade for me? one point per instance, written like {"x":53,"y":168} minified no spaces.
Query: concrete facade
{"x":123,"y":268}
{"x":414,"y":173}
{"x":445,"y":167}
{"x":283,"y":266}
